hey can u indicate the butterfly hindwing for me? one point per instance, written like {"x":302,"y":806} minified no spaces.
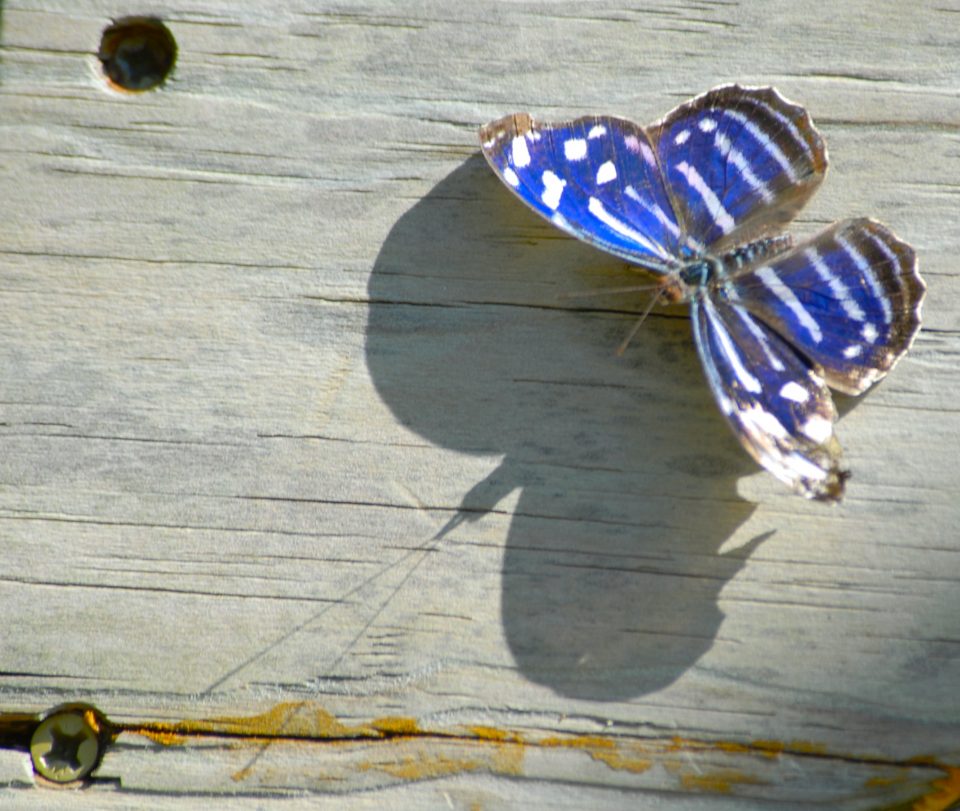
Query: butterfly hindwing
{"x":740,"y":162}
{"x":849,"y":300}
{"x":595,"y":177}
{"x":777,"y":404}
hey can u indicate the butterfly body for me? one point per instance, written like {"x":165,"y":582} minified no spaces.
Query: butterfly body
{"x":710,"y":273}
{"x":700,"y":199}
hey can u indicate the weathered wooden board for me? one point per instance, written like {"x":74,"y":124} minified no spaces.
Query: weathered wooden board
{"x":298,"y":433}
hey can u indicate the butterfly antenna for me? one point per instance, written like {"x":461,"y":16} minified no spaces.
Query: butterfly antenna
{"x":609,"y":291}
{"x":636,"y":327}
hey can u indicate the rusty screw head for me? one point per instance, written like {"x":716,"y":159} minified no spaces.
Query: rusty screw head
{"x":65,"y":746}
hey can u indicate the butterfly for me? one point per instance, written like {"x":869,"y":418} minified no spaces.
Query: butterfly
{"x":701,"y":198}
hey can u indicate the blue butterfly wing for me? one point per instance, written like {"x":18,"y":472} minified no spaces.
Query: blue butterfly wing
{"x":596,"y":178}
{"x":774,"y":399}
{"x":739,"y":163}
{"x":849,"y":300}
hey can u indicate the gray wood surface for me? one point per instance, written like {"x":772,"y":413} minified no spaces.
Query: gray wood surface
{"x":312,"y":480}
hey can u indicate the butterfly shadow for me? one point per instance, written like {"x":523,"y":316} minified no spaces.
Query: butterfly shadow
{"x":624,"y":472}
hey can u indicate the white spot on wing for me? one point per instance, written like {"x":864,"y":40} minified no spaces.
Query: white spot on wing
{"x":794,"y":391}
{"x":597,"y":131}
{"x":648,"y":155}
{"x":575,"y":149}
{"x":764,"y":422}
{"x":776,"y":286}
{"x":606,"y":172}
{"x":520,"y":153}
{"x":802,"y":468}
{"x":707,"y":124}
{"x":853,"y":351}
{"x":818,"y":428}
{"x":869,"y":332}
{"x":511,"y":177}
{"x":720,"y":215}
{"x":681,"y":137}
{"x":552,"y":190}
{"x":632,"y":143}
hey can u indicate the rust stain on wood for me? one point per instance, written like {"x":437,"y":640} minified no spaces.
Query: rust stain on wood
{"x":503,"y":759}
{"x":717,"y":782}
{"x":163,"y":737}
{"x":621,"y":756}
{"x":396,"y":725}
{"x":495,"y":734}
{"x":289,"y":719}
{"x":403,"y":749}
{"x":945,"y":793}
{"x":500,"y":751}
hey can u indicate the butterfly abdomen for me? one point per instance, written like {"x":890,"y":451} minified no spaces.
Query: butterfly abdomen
{"x":753,"y":252}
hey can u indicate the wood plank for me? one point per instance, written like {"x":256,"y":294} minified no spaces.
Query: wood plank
{"x":293,"y":414}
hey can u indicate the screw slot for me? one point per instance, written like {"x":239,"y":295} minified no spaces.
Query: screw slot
{"x":137,"y":53}
{"x":65,"y":747}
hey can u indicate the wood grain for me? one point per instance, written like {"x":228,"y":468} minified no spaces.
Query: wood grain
{"x":298,"y":432}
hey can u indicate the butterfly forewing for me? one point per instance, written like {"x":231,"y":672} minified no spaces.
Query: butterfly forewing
{"x":595,"y":177}
{"x":740,"y":163}
{"x":849,"y":300}
{"x":776,"y":403}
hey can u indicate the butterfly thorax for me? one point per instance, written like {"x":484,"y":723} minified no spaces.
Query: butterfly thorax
{"x":706,"y":271}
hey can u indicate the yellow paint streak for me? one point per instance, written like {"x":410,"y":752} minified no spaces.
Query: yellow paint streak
{"x":717,"y":782}
{"x":945,"y":794}
{"x":508,"y":759}
{"x":501,"y":751}
{"x":93,"y":720}
{"x":504,"y":759}
{"x":290,"y":719}
{"x":242,"y":774}
{"x":769,"y":748}
{"x":622,"y":762}
{"x":759,"y":747}
{"x":163,"y":738}
{"x":424,"y":766}
{"x":495,"y":735}
{"x":295,"y":720}
{"x":396,"y":725}
{"x":638,"y":757}
{"x":883,"y":781}
{"x":806,"y":748}
{"x":580,"y":742}
{"x":607,"y":751}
